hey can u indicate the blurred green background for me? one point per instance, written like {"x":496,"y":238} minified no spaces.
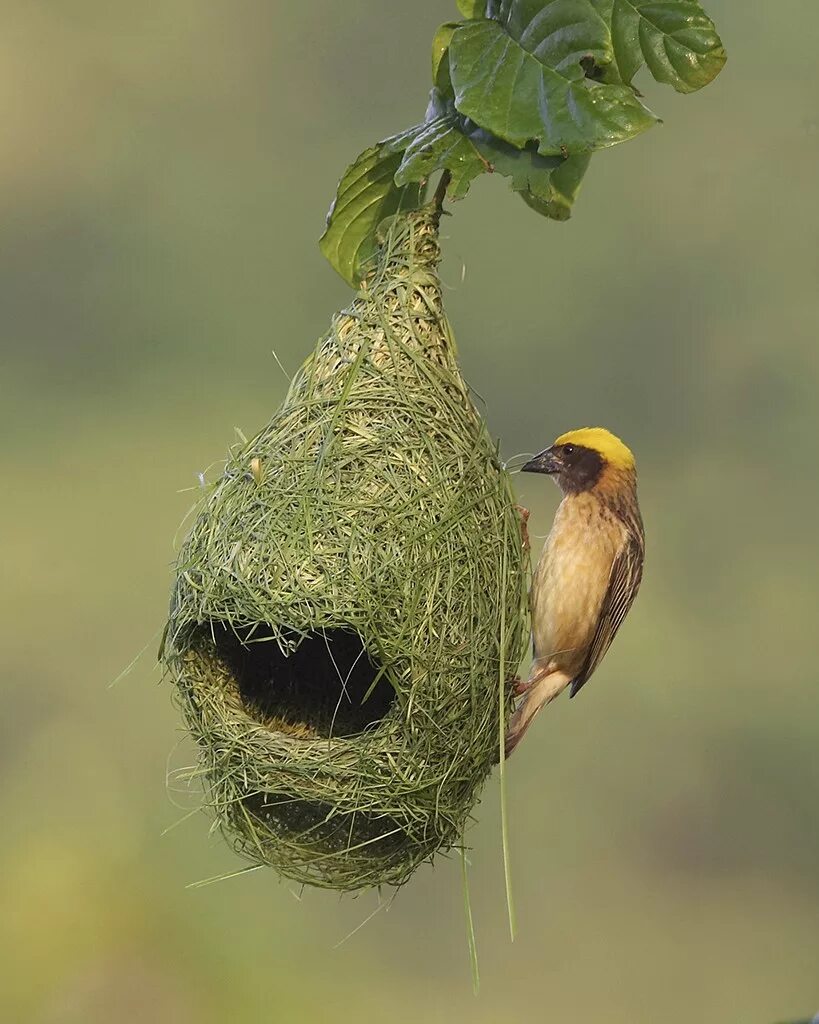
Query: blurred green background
{"x":166,"y":168}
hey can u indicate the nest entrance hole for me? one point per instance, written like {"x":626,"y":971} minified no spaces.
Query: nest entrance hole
{"x":328,"y":683}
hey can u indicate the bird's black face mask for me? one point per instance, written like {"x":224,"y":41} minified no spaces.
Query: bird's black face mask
{"x":576,"y":467}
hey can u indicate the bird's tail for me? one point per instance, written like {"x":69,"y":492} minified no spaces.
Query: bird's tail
{"x":542,"y":691}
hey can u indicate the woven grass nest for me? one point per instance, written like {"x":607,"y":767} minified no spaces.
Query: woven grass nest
{"x":350,"y":600}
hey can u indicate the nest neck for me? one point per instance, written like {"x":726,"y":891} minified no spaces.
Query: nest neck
{"x":409,"y":248}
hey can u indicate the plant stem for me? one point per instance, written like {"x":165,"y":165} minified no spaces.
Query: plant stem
{"x":440,"y":191}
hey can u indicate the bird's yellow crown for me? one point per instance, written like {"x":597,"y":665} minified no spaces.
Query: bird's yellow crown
{"x":603,"y":441}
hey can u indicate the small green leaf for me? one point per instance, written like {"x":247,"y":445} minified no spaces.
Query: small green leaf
{"x":440,"y":45}
{"x":548,"y":184}
{"x":472,"y":8}
{"x":366,"y":195}
{"x":674,"y":38}
{"x":525,"y":79}
{"x":440,"y":144}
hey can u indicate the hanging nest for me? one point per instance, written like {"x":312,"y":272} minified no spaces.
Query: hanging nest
{"x":350,"y":601}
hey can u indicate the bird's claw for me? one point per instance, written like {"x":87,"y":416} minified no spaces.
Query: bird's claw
{"x":519,"y":687}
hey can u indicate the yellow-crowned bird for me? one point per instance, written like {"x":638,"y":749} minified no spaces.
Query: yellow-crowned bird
{"x":590,"y":569}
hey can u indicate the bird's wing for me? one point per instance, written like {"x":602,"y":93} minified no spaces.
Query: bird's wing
{"x":624,"y":581}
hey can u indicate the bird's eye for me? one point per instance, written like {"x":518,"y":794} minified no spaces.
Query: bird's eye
{"x":568,"y":449}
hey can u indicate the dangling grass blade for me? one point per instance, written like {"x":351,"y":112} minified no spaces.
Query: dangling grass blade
{"x":470,"y":925}
{"x":507,"y":868}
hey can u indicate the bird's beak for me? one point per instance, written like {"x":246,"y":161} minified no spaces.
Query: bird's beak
{"x":546,"y":462}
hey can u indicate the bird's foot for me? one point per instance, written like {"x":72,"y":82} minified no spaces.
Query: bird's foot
{"x":519,"y":687}
{"x":524,"y":529}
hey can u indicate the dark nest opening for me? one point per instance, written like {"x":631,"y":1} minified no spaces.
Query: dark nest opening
{"x":325,"y":681}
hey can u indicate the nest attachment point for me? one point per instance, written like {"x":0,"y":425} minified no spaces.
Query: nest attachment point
{"x":352,"y":597}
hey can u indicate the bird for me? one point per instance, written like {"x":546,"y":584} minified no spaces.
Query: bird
{"x":589,"y":572}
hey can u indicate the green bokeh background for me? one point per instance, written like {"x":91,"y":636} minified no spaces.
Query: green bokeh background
{"x":166,"y":168}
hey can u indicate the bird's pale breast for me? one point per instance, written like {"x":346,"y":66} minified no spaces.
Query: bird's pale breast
{"x":571,"y":580}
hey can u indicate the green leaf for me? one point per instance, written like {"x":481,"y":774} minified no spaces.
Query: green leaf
{"x":440,"y":57}
{"x":472,"y":8}
{"x":548,"y":184}
{"x":439,"y":143}
{"x":436,"y":145}
{"x":674,"y":38}
{"x":366,"y":195}
{"x":524,"y":78}
{"x":447,"y":140}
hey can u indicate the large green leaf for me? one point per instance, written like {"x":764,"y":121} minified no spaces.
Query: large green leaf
{"x":674,"y":38}
{"x":366,"y":195}
{"x":526,"y":77}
